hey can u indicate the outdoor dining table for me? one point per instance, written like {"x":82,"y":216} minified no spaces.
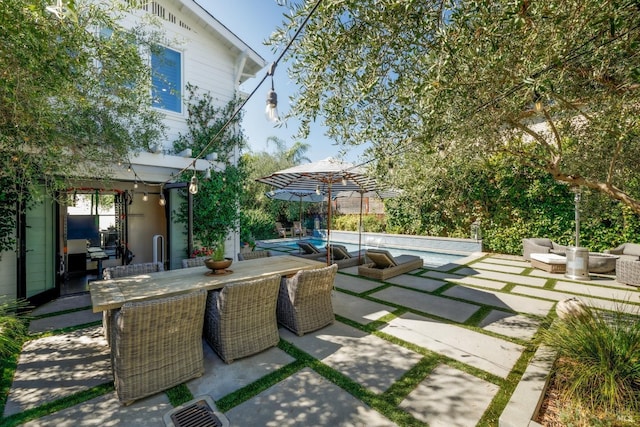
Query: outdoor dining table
{"x":112,"y":294}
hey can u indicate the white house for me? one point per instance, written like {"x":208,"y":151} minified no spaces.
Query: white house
{"x":55,"y":239}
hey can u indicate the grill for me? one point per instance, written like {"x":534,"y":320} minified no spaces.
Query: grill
{"x":199,"y":414}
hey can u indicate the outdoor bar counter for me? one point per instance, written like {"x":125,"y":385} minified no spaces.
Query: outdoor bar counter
{"x":112,"y":294}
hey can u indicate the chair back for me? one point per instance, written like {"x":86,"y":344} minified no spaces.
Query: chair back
{"x":338,"y":252}
{"x":308,"y":284}
{"x":193,"y":262}
{"x":253,"y":255}
{"x":381,"y":258}
{"x":308,"y":248}
{"x":132,"y":270}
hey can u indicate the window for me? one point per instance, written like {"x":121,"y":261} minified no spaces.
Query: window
{"x":166,"y":69}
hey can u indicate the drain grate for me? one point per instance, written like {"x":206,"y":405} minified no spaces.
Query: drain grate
{"x":198,"y":414}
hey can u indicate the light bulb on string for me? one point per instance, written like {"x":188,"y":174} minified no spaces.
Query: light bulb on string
{"x":318,"y":190}
{"x":193,"y":185}
{"x":162,"y":200}
{"x":135,"y":183}
{"x":145,"y":197}
{"x":272,"y":99}
{"x":344,"y":181}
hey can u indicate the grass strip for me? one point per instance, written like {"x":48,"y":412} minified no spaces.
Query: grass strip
{"x":58,"y":405}
{"x":179,"y":395}
{"x":57,"y":313}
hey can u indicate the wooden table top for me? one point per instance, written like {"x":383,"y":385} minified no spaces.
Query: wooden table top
{"x":111,"y":294}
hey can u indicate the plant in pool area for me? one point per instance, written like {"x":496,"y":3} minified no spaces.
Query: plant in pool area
{"x":218,"y":252}
{"x":599,"y":360}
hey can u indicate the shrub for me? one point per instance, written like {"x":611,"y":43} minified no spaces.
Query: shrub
{"x":13,"y":327}
{"x":256,"y":224}
{"x":599,"y":359}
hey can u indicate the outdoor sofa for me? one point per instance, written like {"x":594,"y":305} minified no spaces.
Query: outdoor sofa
{"x":383,"y":265}
{"x":541,"y":246}
{"x":630,"y":251}
{"x":628,"y":263}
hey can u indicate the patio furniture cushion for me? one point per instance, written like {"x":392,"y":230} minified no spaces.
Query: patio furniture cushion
{"x":541,"y":246}
{"x":309,"y":248}
{"x":304,"y":301}
{"x":157,"y":344}
{"x":551,"y":263}
{"x":240,"y":320}
{"x":381,"y":258}
{"x":630,"y":251}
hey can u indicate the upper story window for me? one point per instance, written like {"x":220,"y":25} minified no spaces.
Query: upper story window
{"x":166,"y":69}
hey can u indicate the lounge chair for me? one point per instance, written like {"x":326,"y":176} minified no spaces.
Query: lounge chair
{"x":339,"y":254}
{"x":298,"y":229}
{"x":304,"y":301}
{"x":253,"y":255}
{"x":240,"y":320}
{"x":383,"y":265}
{"x":157,"y":344}
{"x":310,"y":251}
{"x":282,"y":232}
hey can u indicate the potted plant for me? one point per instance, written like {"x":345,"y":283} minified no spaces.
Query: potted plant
{"x":217,"y":262}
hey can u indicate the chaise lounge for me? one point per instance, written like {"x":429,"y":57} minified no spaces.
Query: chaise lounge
{"x":384,"y":265}
{"x":310,"y":251}
{"x":341,"y":256}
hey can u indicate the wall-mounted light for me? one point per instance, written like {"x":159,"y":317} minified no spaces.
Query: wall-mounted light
{"x":145,"y":197}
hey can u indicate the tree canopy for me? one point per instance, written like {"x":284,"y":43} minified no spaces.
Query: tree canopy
{"x":555,"y":84}
{"x":74,"y":92}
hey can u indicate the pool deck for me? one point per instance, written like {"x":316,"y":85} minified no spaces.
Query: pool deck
{"x":437,"y":346}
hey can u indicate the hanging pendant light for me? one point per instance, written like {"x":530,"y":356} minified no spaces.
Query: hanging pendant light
{"x":145,"y":197}
{"x":162,"y":200}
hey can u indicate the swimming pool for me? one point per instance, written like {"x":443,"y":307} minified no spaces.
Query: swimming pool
{"x":430,"y":258}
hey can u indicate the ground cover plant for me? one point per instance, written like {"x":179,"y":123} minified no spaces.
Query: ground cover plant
{"x":597,"y":374}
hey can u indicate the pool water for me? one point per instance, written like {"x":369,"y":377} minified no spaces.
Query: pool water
{"x":431,"y":259}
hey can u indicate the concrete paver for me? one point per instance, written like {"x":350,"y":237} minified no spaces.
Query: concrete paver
{"x":106,"y":411}
{"x":416,"y":282}
{"x":511,"y":325}
{"x":220,"y":379}
{"x":357,"y":309}
{"x":594,"y":302}
{"x":504,"y":261}
{"x":63,"y":303}
{"x":305,"y":399}
{"x":477,"y":281}
{"x":503,"y":300}
{"x":355,"y":284}
{"x":57,"y":366}
{"x":473,"y":348}
{"x":450,"y":398}
{"x":431,"y":304}
{"x":628,"y":294}
{"x":367,"y":359}
{"x":64,"y":320}
{"x":498,"y":267}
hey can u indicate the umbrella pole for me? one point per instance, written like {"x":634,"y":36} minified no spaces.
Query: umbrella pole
{"x":360,"y":230}
{"x":329,"y":252}
{"x":300,"y":235}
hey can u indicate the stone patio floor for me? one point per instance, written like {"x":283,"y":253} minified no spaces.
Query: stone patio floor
{"x":433,"y":347}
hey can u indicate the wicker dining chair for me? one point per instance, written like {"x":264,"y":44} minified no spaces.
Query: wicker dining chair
{"x":240,"y":319}
{"x":157,"y":344}
{"x":124,"y":271}
{"x":193,"y":262}
{"x":253,"y":255}
{"x":304,"y":301}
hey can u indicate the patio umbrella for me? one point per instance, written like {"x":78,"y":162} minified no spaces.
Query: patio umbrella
{"x":321,"y":177}
{"x":296,"y":195}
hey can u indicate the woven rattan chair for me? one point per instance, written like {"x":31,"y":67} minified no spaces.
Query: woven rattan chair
{"x":240,"y":319}
{"x":157,"y":344}
{"x":304,"y":301}
{"x":628,"y":271}
{"x":193,"y":262}
{"x":124,"y":271}
{"x":253,"y":255}
{"x":132,"y":270}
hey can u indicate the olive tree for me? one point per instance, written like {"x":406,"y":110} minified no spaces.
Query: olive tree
{"x":554,"y":83}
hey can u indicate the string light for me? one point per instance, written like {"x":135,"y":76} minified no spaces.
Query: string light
{"x":344,"y":181}
{"x":272,"y":98}
{"x":193,"y":184}
{"x":162,"y":200}
{"x":135,"y":184}
{"x":318,"y":190}
{"x":145,"y":197}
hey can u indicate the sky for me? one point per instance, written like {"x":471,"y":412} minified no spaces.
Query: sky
{"x":253,"y":21}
